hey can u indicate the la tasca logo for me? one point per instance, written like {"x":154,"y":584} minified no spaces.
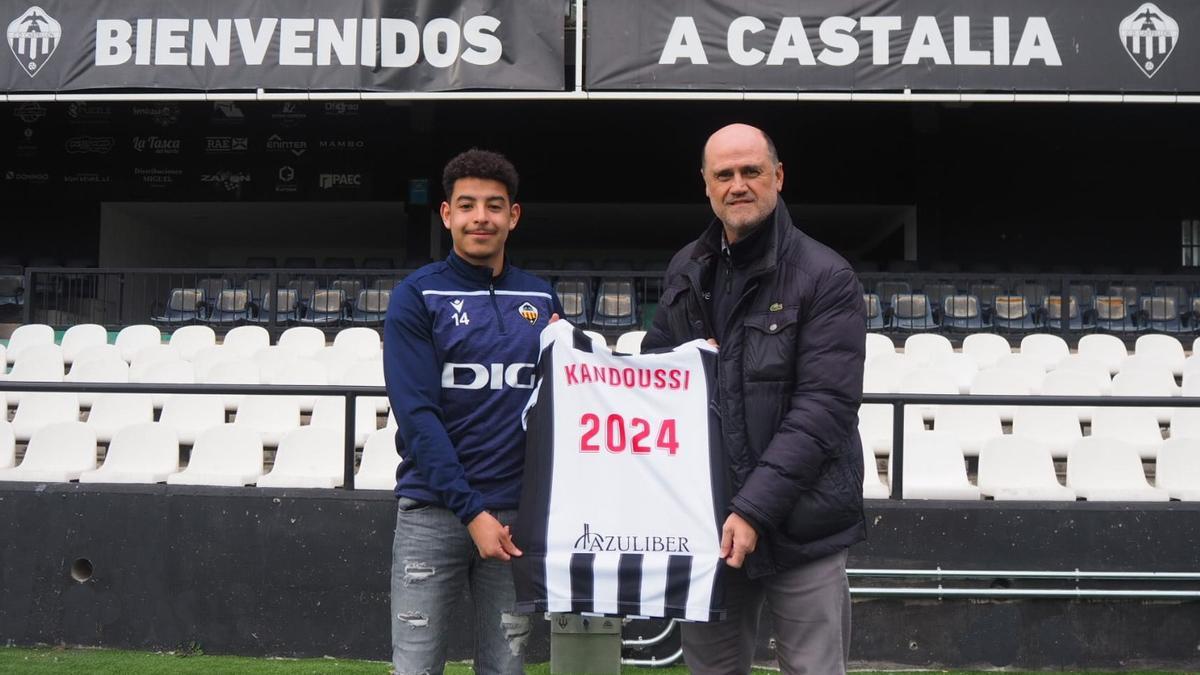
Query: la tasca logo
{"x":33,"y":37}
{"x":1149,"y":36}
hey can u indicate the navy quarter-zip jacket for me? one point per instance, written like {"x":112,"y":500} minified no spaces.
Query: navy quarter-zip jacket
{"x":460,"y":348}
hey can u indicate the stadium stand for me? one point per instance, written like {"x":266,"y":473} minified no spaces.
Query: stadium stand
{"x":184,"y":306}
{"x":26,"y":336}
{"x":80,"y":337}
{"x":304,"y":341}
{"x":189,"y":340}
{"x":132,"y":339}
{"x":1177,"y":469}
{"x":111,"y":413}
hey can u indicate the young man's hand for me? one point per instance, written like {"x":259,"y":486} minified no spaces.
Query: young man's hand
{"x":491,"y":538}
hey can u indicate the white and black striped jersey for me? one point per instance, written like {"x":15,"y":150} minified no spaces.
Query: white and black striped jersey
{"x":624,"y":492}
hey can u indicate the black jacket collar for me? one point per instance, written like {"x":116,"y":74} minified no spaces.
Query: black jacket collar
{"x":708,"y":246}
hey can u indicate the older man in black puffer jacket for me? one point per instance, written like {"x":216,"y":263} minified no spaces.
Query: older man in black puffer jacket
{"x":788,"y":316}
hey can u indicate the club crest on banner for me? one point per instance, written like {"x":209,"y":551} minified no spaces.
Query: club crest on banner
{"x":33,"y":37}
{"x":528,"y":312}
{"x":1149,"y":36}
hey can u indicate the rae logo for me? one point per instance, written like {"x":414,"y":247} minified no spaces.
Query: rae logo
{"x":1149,"y":37}
{"x":460,"y":317}
{"x":493,"y":376}
{"x":33,"y":37}
{"x":529,"y":313}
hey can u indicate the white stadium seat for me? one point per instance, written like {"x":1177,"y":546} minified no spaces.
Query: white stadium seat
{"x":330,"y":413}
{"x":631,"y":342}
{"x":304,"y":341}
{"x":112,"y":412}
{"x":377,"y":469}
{"x":111,"y":369}
{"x":298,"y":371}
{"x":1072,"y":383}
{"x":882,"y":374}
{"x":245,"y":341}
{"x":879,"y":344}
{"x":363,"y":342}
{"x":960,"y":366}
{"x":140,"y":453}
{"x":28,"y":335}
{"x":1107,"y":349}
{"x":8,"y":445}
{"x":367,"y":374}
{"x":1177,"y":469}
{"x":1165,"y":349}
{"x":80,"y":337}
{"x":1000,"y":381}
{"x":1107,"y":469}
{"x":308,"y":457}
{"x":271,"y":416}
{"x":229,"y":455}
{"x":191,"y":414}
{"x":1146,"y":378}
{"x":132,"y":339}
{"x":927,"y":380}
{"x":58,"y":452}
{"x":924,"y":348}
{"x":189,"y":340}
{"x":38,"y":363}
{"x":972,"y":426}
{"x":1045,"y":348}
{"x":934,"y":468}
{"x":39,"y":410}
{"x":1033,"y":369}
{"x":95,"y":353}
{"x":873,"y":485}
{"x":1137,"y":427}
{"x":337,"y":362}
{"x":210,"y":357}
{"x":1077,"y":363}
{"x":1056,"y":428}
{"x":235,"y":371}
{"x":148,"y":357}
{"x":1014,"y":468}
{"x":986,"y":348}
{"x":1185,"y":423}
{"x":875,"y":425}
{"x":169,"y":372}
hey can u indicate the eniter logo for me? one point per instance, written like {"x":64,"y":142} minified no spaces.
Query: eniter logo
{"x":33,"y":37}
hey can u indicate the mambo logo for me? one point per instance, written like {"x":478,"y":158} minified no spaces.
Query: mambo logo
{"x":630,"y":378}
{"x":594,"y":541}
{"x":841,"y":45}
{"x":495,"y":376}
{"x":385,"y":42}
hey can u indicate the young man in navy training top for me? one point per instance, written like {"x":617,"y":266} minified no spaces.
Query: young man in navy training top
{"x":460,"y":345}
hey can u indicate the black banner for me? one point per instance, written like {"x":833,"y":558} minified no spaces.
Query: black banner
{"x":355,"y":45}
{"x":1080,"y":46}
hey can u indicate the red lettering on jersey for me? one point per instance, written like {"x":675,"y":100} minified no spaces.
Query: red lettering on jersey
{"x":569,"y":369}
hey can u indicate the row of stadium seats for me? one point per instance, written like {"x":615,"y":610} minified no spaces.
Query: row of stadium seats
{"x":1022,"y":468}
{"x":224,"y":454}
{"x":344,"y":303}
{"x":893,"y":305}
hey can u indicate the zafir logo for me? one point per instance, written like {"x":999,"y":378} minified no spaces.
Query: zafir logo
{"x":33,"y":37}
{"x":1149,"y":36}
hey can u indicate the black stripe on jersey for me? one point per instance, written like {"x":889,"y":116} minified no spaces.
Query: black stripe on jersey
{"x":581,"y":341}
{"x":679,"y":580}
{"x":583,"y":582}
{"x":718,"y":473}
{"x":629,"y":583}
{"x":533,"y":515}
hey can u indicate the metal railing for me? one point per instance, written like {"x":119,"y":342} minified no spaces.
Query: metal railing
{"x":898,"y":401}
{"x":938,"y":576}
{"x":350,"y":393}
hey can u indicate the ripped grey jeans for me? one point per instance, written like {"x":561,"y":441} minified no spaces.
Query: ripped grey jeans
{"x":432,"y":557}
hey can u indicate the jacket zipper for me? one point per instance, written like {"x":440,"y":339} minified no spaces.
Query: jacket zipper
{"x":496,"y":307}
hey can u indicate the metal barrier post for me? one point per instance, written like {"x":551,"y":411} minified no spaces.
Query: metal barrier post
{"x":897,"y":460}
{"x":348,"y":458}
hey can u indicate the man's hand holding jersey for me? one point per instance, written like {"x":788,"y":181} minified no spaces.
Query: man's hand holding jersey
{"x":492,"y":539}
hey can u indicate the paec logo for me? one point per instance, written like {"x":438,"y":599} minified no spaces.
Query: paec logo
{"x":33,"y":37}
{"x":1149,"y":37}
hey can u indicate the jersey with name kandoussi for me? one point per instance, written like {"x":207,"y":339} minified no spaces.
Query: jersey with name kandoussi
{"x":460,"y":348}
{"x":625,"y":482}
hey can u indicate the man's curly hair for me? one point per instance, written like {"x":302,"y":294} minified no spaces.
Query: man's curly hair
{"x":485,"y":164}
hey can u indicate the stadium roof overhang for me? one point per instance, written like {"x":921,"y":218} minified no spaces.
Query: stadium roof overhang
{"x":1093,"y":51}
